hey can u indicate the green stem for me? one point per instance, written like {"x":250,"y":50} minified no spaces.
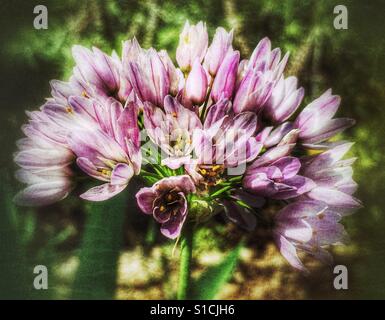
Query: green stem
{"x":185,"y":263}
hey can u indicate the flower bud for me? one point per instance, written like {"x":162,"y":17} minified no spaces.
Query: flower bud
{"x":218,"y":49}
{"x":193,"y":42}
{"x":196,"y":84}
{"x":224,"y":81}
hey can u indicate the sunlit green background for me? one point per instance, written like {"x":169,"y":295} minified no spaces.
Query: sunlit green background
{"x":111,"y":251}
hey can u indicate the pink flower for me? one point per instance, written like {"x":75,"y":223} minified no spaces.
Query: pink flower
{"x":224,"y":82}
{"x":193,"y":42}
{"x":44,"y":160}
{"x":258,"y":76}
{"x":315,"y":121}
{"x":97,"y":70}
{"x":278,"y":180}
{"x":219,"y":48}
{"x":166,"y":201}
{"x":147,"y":73}
{"x":333,"y":177}
{"x":308,"y":226}
{"x":196,"y":84}
{"x":172,"y":130}
{"x":225,"y":141}
{"x":111,"y":152}
{"x":284,"y":100}
{"x":224,"y":128}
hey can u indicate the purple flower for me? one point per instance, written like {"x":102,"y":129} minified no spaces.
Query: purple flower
{"x":333,"y":177}
{"x":258,"y":77}
{"x":97,"y":69}
{"x":148,"y":74}
{"x":70,"y":125}
{"x":110,"y":152}
{"x":278,"y":180}
{"x":45,"y":184}
{"x":44,"y":160}
{"x":95,"y":75}
{"x":224,"y":82}
{"x":265,"y":59}
{"x":253,"y":92}
{"x":275,"y":153}
{"x":315,"y":121}
{"x":225,"y":141}
{"x":175,"y":75}
{"x":193,"y":42}
{"x":44,"y":155}
{"x":308,"y":226}
{"x":282,"y":133}
{"x":284,"y":100}
{"x":166,"y":201}
{"x":219,"y":48}
{"x":172,"y":130}
{"x":196,"y":84}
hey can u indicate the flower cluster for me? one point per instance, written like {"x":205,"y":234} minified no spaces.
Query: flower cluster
{"x":216,"y":133}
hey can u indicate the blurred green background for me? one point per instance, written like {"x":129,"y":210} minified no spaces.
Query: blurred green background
{"x":111,"y":250}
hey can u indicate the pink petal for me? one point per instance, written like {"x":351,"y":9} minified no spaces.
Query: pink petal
{"x":145,"y":198}
{"x":102,"y":192}
{"x":289,"y":251}
{"x":121,"y":174}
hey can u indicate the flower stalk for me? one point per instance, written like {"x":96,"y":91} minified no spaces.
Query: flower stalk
{"x":186,"y":246}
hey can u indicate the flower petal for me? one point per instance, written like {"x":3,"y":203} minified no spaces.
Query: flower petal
{"x":121,"y":174}
{"x":102,"y":192}
{"x":289,"y":251}
{"x":145,"y":198}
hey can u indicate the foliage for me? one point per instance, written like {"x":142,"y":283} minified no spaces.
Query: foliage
{"x":215,"y":277}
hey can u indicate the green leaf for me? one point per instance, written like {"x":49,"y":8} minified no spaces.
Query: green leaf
{"x":215,"y":277}
{"x":99,"y":253}
{"x":220,"y":191}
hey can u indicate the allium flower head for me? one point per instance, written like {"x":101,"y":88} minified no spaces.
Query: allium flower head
{"x":220,"y":135}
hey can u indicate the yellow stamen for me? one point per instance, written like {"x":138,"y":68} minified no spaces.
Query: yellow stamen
{"x":85,"y":95}
{"x":186,"y":39}
{"x":162,"y":208}
{"x":106,"y":172}
{"x":69,"y":110}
